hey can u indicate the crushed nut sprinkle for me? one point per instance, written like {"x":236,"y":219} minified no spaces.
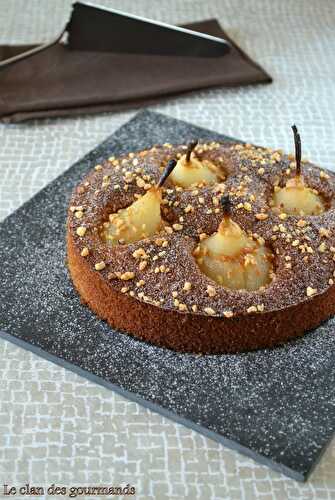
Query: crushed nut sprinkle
{"x":209,"y":311}
{"x":311,"y":291}
{"x":228,"y":314}
{"x":142,"y":265}
{"x":79,"y":214}
{"x":211,"y":292}
{"x":324,"y":233}
{"x":85,"y":251}
{"x":182,"y":307}
{"x":187,"y":286}
{"x":99,"y":266}
{"x":261,"y":216}
{"x":128,"y":275}
{"x":81,"y":230}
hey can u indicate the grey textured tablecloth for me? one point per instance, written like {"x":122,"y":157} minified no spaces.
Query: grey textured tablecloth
{"x":58,"y":428}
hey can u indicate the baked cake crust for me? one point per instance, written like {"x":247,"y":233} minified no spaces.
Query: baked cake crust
{"x":153,"y":288}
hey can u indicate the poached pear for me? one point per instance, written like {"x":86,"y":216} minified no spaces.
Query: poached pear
{"x":141,"y":219}
{"x":296,"y":198}
{"x":233,"y":259}
{"x":191,"y":171}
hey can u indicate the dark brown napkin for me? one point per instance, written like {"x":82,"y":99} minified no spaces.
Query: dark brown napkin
{"x":60,"y":82}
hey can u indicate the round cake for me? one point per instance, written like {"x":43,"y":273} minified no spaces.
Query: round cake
{"x":230,"y":247}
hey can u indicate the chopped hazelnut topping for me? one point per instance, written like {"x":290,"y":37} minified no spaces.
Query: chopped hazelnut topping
{"x":187,"y":286}
{"x":311,"y":291}
{"x":209,"y":311}
{"x":174,"y":294}
{"x":85,"y":251}
{"x":177,"y":227}
{"x":188,"y":209}
{"x":100,"y":265}
{"x":81,"y":230}
{"x":261,"y":216}
{"x":140,"y":182}
{"x":140,"y":283}
{"x":124,"y":289}
{"x":182,"y":307}
{"x":194,"y":308}
{"x":79,"y":214}
{"x":98,"y":167}
{"x":261,"y":171}
{"x":252,"y":309}
{"x":322,"y":248}
{"x":140,"y":253}
{"x":142,"y":265}
{"x":295,"y":243}
{"x":129,"y":275}
{"x":301,"y":223}
{"x":283,"y":216}
{"x":324,"y":232}
{"x":228,"y":314}
{"x":211,"y":291}
{"x":323,"y":175}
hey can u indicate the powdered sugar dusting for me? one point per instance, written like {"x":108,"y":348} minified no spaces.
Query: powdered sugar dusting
{"x":278,"y":403}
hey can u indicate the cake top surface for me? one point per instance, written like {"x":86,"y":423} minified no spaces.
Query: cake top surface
{"x":162,"y":270}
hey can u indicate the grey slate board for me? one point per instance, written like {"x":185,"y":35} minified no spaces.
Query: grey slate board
{"x":276,"y":405}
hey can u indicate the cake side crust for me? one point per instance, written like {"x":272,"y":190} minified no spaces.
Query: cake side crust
{"x":191,"y":332}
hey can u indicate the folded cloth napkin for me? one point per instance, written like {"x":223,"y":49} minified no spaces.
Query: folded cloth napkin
{"x":63,"y":82}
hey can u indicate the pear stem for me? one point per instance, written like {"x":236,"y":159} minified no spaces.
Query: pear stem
{"x":226,"y":205}
{"x":167,"y":171}
{"x":190,"y":148}
{"x":297,"y":144}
